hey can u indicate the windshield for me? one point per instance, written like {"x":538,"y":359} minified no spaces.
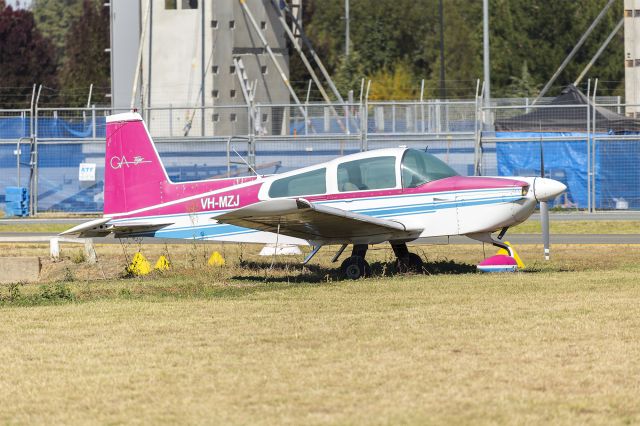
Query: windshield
{"x":418,"y":168}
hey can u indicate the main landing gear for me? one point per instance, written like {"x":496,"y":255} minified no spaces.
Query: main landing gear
{"x":405,"y":260}
{"x":355,"y":266}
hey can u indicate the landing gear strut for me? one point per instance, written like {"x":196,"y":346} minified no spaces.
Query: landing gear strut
{"x":405,"y":260}
{"x":355,"y":266}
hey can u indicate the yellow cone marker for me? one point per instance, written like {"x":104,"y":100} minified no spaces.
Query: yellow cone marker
{"x":162,"y":264}
{"x":515,"y":254}
{"x":139,"y":265}
{"x":216,"y":259}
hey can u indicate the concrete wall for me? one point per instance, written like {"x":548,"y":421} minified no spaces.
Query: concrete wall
{"x":172,"y":65}
{"x":125,"y":35}
{"x":19,"y":269}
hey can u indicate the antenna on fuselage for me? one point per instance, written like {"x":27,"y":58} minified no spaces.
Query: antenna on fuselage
{"x":245,"y":162}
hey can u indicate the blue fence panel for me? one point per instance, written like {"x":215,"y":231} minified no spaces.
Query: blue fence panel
{"x":565,"y":161}
{"x":617,"y":174}
{"x":14,"y":127}
{"x":52,"y":128}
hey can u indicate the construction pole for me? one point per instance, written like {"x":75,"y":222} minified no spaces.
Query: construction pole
{"x":298,"y":49}
{"x":346,"y":28}
{"x":574,"y":51}
{"x":485,"y":51}
{"x":263,"y":40}
{"x":599,"y":52}
{"x":443,"y":90}
{"x":202,"y":67}
{"x":138,"y":70}
{"x":313,"y":53}
{"x":306,"y":62}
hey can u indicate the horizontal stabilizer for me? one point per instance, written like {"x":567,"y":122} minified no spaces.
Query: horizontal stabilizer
{"x":102,"y":227}
{"x":93,"y":228}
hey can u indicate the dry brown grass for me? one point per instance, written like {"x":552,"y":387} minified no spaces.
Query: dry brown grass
{"x":247,"y":345}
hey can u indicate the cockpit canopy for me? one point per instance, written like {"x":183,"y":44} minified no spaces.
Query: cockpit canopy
{"x":419,"y":167}
{"x":386,"y":171}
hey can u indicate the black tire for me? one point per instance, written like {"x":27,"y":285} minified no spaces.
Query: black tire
{"x":412,"y":263}
{"x":355,"y":267}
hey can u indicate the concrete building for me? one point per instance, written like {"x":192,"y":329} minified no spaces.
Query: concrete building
{"x":187,"y":63}
{"x":632,"y":56}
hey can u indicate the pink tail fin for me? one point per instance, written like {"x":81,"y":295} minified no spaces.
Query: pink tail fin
{"x":134,"y":176}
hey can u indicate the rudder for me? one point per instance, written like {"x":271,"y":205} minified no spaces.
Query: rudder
{"x":134,"y":175}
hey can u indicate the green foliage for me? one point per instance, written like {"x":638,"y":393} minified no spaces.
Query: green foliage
{"x":394,"y":84}
{"x":47,"y":294}
{"x":524,"y":85}
{"x":349,"y":73}
{"x":78,"y":256}
{"x":54,"y":18}
{"x":86,"y":61}
{"x":25,"y":57}
{"x":540,"y":33}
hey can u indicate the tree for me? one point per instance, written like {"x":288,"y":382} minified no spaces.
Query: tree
{"x":394,"y":84}
{"x":54,"y":18}
{"x":523,"y":86}
{"x":349,"y":73}
{"x":26,"y":57}
{"x":86,"y":61}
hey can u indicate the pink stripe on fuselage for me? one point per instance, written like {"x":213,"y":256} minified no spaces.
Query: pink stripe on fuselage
{"x":454,"y":183}
{"x":234,"y":198}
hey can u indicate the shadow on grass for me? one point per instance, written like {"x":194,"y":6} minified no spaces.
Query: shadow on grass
{"x":280,"y":272}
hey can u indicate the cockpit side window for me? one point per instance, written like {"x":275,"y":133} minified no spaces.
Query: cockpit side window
{"x":367,"y":174}
{"x":418,"y":168}
{"x":309,"y":183}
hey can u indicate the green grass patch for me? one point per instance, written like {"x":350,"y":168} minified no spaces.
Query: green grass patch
{"x":53,"y":228}
{"x":580,"y":227}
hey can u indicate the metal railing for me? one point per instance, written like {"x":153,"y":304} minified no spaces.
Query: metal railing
{"x":581,"y":143}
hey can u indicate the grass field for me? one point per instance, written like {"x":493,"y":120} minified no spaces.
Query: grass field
{"x":251,"y":343}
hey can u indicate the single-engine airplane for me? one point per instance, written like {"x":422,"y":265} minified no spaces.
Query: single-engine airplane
{"x":393,"y":195}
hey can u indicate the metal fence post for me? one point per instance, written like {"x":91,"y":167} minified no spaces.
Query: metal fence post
{"x":393,"y":117}
{"x":476,"y":134}
{"x":93,"y":121}
{"x":170,"y":120}
{"x":589,"y":165}
{"x":34,"y":159}
{"x":593,"y":149}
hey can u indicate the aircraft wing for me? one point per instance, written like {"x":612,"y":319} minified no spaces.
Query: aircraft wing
{"x":101,"y":228}
{"x":315,"y":222}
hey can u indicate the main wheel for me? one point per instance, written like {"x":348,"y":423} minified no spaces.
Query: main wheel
{"x":411,"y":263}
{"x":355,"y":267}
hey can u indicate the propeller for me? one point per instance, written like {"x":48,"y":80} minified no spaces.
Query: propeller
{"x":544,"y":209}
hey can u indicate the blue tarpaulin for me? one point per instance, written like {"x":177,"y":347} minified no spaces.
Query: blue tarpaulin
{"x":18,"y":127}
{"x":615,"y":167}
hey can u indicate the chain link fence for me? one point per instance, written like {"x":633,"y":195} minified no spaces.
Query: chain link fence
{"x":591,"y":146}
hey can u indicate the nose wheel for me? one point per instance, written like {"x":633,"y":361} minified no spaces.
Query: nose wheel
{"x":355,"y":266}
